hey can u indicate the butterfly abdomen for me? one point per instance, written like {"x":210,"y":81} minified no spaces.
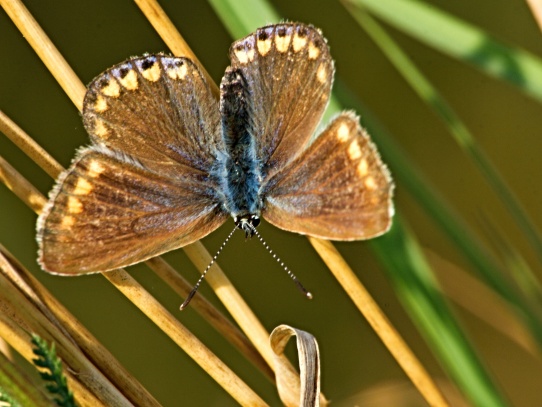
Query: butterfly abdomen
{"x":242,"y":181}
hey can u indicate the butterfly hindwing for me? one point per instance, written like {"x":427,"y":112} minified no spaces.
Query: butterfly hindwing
{"x":108,"y":211}
{"x":338,"y":189}
{"x":289,"y":73}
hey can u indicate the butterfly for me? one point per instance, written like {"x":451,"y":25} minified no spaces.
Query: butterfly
{"x":168,"y":163}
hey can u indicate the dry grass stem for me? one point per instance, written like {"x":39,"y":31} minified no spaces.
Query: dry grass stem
{"x":536,"y":9}
{"x":23,"y":189}
{"x":20,"y":317}
{"x":71,"y":328}
{"x":210,"y":314}
{"x":171,"y":36}
{"x":6,"y":350}
{"x":19,"y":339}
{"x":184,"y":338}
{"x":42,"y":45}
{"x":378,"y":321}
{"x":309,"y":366}
{"x":29,"y":146}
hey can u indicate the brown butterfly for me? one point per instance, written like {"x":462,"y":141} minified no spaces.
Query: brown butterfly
{"x":168,"y":163}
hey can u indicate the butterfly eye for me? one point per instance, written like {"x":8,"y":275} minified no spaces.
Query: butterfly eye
{"x":255,"y":220}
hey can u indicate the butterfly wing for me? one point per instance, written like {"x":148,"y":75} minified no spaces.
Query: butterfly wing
{"x":338,"y":189}
{"x":289,"y":72}
{"x":145,"y":186}
{"x":108,"y":212}
{"x":175,"y":124}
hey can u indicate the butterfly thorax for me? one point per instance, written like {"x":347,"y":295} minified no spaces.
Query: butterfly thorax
{"x":242,"y":182}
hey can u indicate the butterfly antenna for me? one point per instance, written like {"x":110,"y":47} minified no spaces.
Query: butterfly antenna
{"x":195,"y":289}
{"x":284,"y":266}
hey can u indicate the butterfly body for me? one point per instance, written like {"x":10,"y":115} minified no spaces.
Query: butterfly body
{"x":169,"y":164}
{"x":242,"y":170}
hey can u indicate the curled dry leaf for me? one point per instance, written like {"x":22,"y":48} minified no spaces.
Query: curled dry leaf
{"x":309,"y":367}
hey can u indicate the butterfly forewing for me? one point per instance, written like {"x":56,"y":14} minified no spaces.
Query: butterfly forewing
{"x":158,"y":109}
{"x":337,"y":189}
{"x":146,"y":186}
{"x":289,"y":72}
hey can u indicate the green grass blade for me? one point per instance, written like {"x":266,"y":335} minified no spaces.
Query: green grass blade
{"x":413,"y":279}
{"x":16,"y":388}
{"x":421,"y":85}
{"x":523,"y":274}
{"x":459,"y":39}
{"x":239,"y":17}
{"x":458,"y":231}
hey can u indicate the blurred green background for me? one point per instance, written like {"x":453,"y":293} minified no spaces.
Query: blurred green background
{"x":505,"y":122}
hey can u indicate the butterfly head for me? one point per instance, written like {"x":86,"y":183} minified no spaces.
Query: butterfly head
{"x":247,"y":223}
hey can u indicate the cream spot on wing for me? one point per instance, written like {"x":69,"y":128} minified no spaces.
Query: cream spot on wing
{"x":283,"y":42}
{"x":264,"y":46}
{"x":101,"y":104}
{"x":95,"y":169}
{"x":177,"y":72}
{"x":370,"y":183}
{"x":100,"y":129}
{"x":244,"y":55}
{"x":299,"y":42}
{"x":363,"y":168}
{"x":82,"y":187}
{"x":153,"y":73}
{"x":74,"y":205}
{"x":112,"y":89}
{"x":130,"y":80}
{"x":354,"y":150}
{"x":321,"y":74}
{"x":67,"y":222}
{"x":314,"y":51}
{"x":343,"y":132}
